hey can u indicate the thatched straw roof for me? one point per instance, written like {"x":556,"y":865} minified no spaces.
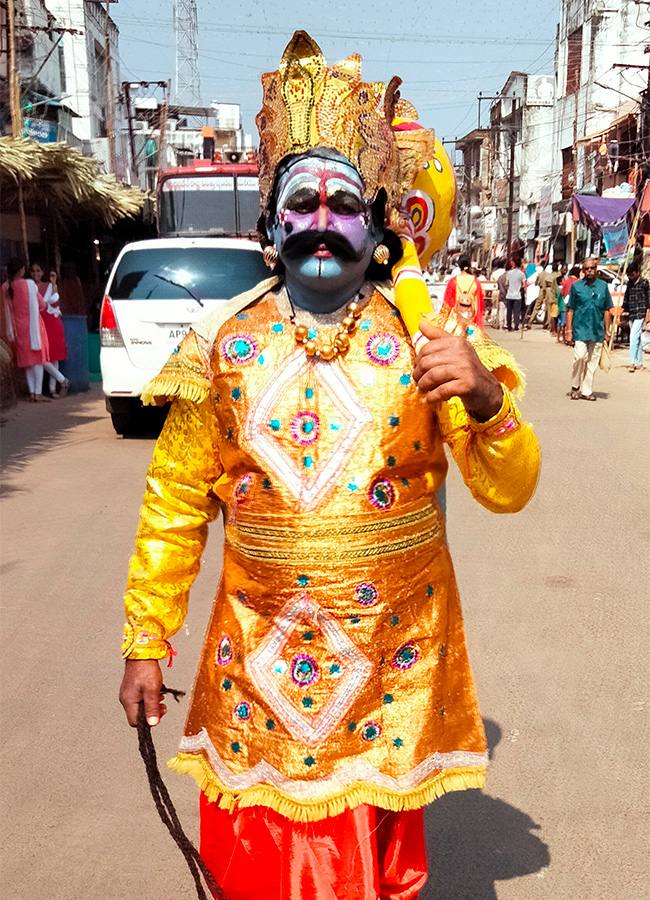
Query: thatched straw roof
{"x":71,"y":182}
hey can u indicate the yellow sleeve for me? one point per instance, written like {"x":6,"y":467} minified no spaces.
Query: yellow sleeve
{"x":179,"y":503}
{"x":498,"y":459}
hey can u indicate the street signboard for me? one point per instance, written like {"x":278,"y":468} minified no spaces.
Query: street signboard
{"x":41,"y":130}
{"x":545,"y":213}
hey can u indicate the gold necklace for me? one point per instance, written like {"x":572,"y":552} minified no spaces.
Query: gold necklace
{"x":341,"y":341}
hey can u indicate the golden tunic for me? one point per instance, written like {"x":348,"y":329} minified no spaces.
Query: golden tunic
{"x":334,"y":671}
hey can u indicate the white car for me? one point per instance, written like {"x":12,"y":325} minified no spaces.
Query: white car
{"x":156,"y":290}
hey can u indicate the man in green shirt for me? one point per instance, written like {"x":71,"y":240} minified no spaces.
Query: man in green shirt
{"x":588,"y":324}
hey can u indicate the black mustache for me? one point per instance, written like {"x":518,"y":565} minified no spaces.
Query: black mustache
{"x":304,"y":243}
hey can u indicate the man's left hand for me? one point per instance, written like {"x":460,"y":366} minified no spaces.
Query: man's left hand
{"x":448,"y":366}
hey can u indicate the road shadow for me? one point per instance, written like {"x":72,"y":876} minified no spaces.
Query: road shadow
{"x":29,"y":429}
{"x":475,"y":840}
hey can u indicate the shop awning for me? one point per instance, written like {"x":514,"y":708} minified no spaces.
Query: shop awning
{"x":595,"y":211}
{"x":623,"y":113}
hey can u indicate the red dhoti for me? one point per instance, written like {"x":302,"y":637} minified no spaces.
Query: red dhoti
{"x":366,"y":853}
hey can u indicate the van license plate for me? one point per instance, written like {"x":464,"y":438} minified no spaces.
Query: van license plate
{"x":176,"y":333}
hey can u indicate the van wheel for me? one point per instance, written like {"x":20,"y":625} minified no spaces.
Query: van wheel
{"x":122,"y":422}
{"x":130,"y":417}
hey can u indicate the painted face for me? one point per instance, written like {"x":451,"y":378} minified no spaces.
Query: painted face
{"x":323,"y":227}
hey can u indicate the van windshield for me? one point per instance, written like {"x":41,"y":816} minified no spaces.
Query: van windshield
{"x":173,"y":273}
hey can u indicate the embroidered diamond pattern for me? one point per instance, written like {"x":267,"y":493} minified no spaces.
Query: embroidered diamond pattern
{"x":309,"y":475}
{"x":265,"y":666}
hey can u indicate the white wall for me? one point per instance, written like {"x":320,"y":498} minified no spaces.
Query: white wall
{"x":84,"y":83}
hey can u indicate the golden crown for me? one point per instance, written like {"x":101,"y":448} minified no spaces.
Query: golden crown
{"x":307,"y":105}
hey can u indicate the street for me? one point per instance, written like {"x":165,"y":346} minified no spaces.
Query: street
{"x":556,"y":612}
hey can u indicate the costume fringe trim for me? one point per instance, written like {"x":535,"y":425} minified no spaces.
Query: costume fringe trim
{"x":165,"y":387}
{"x":311,"y":811}
{"x":501,"y":363}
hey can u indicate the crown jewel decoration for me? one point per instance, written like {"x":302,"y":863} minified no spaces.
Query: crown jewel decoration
{"x":308,"y":105}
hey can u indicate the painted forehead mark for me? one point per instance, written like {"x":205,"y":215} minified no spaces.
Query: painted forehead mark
{"x":328,"y":183}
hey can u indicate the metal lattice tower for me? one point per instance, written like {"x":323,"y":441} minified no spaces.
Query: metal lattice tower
{"x":187,"y":90}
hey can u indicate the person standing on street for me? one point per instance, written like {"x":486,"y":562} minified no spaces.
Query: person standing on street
{"x":27,"y":328}
{"x":48,"y":292}
{"x":636,"y":304}
{"x":515,"y":281}
{"x":588,"y":324}
{"x":464,"y":293}
{"x":334,"y":697}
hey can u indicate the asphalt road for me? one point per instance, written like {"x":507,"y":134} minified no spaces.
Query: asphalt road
{"x":556,"y":612}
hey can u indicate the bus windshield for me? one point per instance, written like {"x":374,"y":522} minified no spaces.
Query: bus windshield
{"x":208,"y":205}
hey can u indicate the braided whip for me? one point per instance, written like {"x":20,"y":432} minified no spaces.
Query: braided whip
{"x":165,"y":806}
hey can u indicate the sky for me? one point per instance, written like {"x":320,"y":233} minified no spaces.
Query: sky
{"x":445,"y":51}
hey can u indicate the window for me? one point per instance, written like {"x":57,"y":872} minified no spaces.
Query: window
{"x":573,"y":61}
{"x":568,"y":176}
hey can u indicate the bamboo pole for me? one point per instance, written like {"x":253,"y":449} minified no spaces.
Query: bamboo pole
{"x":23,"y":220}
{"x":14,"y":86}
{"x":622,"y":270}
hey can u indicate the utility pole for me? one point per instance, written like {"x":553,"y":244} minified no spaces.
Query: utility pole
{"x":110,"y":108}
{"x":163,"y":128}
{"x":575,"y":179}
{"x":511,"y":191}
{"x":126,"y":87}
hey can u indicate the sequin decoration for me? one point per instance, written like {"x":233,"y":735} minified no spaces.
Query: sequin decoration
{"x":382,"y":493}
{"x":304,"y":669}
{"x":406,"y":656}
{"x":242,"y":712}
{"x":240,"y":348}
{"x":365,"y":594}
{"x":370,"y":731}
{"x":305,"y":427}
{"x":382,"y":349}
{"x":242,"y":486}
{"x":224,"y":651}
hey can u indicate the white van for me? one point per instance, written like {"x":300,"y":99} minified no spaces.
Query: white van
{"x":156,"y":290}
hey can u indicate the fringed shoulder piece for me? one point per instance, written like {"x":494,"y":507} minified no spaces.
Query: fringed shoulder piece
{"x":185,"y":375}
{"x":500,"y":362}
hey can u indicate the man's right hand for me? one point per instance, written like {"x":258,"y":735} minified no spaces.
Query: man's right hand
{"x":142,"y":681}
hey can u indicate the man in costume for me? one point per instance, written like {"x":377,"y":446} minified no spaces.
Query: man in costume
{"x":334,"y":697}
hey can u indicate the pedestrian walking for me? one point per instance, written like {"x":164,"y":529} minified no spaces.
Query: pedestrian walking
{"x":588,"y":324}
{"x":515,"y":282}
{"x":49,"y":294}
{"x":464,"y":293}
{"x":27,"y":329}
{"x":636,"y":304}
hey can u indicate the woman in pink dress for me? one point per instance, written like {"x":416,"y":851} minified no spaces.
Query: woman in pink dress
{"x":27,"y":329}
{"x":48,"y":292}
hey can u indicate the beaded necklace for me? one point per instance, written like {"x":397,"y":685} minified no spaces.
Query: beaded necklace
{"x":339,"y":344}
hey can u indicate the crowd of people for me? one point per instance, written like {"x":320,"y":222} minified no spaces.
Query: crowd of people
{"x":34,"y":329}
{"x":573,"y":304}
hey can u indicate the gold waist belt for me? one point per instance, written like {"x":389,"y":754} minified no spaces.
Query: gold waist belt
{"x":343,"y":540}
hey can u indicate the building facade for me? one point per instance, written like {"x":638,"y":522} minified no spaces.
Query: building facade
{"x":91,"y":80}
